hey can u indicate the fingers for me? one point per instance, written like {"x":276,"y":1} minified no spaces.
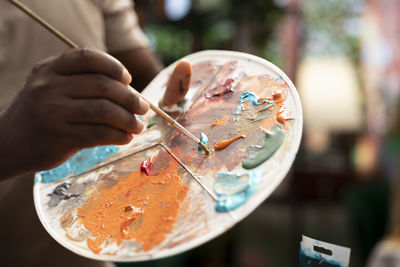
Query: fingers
{"x":78,"y":61}
{"x":178,"y":84}
{"x":92,"y":86}
{"x":95,"y":135}
{"x":104,"y":112}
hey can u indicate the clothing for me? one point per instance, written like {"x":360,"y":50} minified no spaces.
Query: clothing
{"x":109,"y":25}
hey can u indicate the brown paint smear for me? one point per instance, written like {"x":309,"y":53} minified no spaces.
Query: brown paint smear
{"x":139,"y":207}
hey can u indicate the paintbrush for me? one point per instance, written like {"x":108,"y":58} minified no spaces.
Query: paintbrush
{"x":71,"y":44}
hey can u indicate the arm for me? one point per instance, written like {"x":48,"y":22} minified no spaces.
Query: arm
{"x":127,"y":42}
{"x":142,"y":64}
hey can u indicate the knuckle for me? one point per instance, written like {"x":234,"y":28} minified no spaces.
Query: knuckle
{"x":81,"y":55}
{"x":39,"y":66}
{"x":39,"y":86}
{"x":85,"y":54}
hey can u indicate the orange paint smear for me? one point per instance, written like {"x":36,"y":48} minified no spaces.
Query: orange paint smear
{"x":280,"y":118}
{"x":220,"y":122}
{"x":278,"y":95}
{"x":224,"y":143}
{"x":139,"y":207}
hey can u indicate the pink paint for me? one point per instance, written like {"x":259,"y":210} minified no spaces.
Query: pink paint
{"x":221,"y":90}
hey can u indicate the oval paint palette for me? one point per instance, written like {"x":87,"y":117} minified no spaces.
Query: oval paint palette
{"x":160,"y":195}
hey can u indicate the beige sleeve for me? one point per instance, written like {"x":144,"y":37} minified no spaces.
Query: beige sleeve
{"x":123,"y":32}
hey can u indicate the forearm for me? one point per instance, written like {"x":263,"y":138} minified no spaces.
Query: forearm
{"x":142,"y":64}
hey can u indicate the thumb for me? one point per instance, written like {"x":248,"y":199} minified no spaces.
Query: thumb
{"x":178,"y":83}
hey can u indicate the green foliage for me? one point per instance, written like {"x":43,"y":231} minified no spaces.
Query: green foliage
{"x":169,"y":42}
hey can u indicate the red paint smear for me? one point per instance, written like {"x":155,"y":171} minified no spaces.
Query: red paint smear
{"x":224,"y":143}
{"x":147,"y":215}
{"x":146,"y":166}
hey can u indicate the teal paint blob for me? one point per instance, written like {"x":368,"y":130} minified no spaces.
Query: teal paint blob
{"x":254,"y":101}
{"x":79,"y":163}
{"x":263,"y":118}
{"x":140,"y":117}
{"x":272,"y":142}
{"x":236,"y":121}
{"x":204,"y":140}
{"x":252,"y":97}
{"x":267,"y":107}
{"x":247,"y":96}
{"x":238,"y":110}
{"x":233,"y":190}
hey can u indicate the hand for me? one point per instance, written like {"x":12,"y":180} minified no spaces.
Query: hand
{"x":79,"y":99}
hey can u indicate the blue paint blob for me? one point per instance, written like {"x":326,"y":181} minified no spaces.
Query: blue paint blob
{"x":238,"y":110}
{"x":140,"y":117}
{"x":204,"y":140}
{"x":263,"y":118}
{"x":266,"y":107}
{"x":79,"y":163}
{"x":235,"y":189}
{"x":236,"y":120}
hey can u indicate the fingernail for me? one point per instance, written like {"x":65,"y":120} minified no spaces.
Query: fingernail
{"x":126,"y":77}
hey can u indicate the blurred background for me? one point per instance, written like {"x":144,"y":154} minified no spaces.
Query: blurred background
{"x":344,"y":58}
